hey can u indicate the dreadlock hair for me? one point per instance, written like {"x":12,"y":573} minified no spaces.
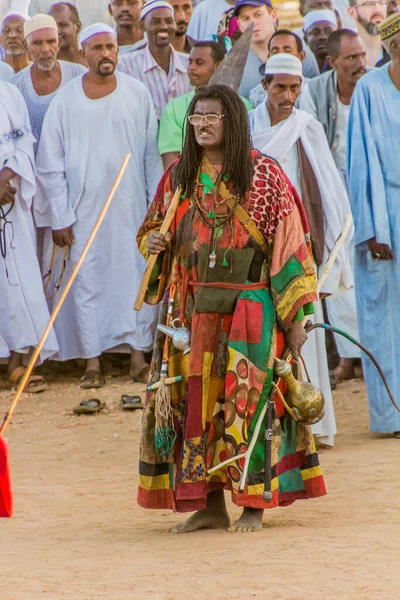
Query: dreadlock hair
{"x":237,"y":165}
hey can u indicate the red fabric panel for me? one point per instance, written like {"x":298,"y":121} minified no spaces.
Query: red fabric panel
{"x":193,"y":424}
{"x":247,"y":324}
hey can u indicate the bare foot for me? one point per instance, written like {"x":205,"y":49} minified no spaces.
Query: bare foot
{"x":215,"y":516}
{"x":251,"y":520}
{"x":344,"y":370}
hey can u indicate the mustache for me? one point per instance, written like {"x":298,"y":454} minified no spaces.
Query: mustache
{"x":361,"y":71}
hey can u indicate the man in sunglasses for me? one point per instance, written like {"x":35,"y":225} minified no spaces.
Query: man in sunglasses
{"x":204,"y":59}
{"x":236,"y":271}
{"x":368,"y":14}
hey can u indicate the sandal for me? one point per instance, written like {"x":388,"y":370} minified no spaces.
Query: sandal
{"x":34,"y":385}
{"x":142,"y":376}
{"x":131,"y":402}
{"x":92,"y":405}
{"x":92,"y":380}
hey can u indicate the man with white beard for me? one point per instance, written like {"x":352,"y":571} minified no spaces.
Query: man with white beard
{"x":23,"y":309}
{"x":40,"y":82}
{"x":12,"y":40}
{"x":298,"y":142}
{"x":89,"y":128}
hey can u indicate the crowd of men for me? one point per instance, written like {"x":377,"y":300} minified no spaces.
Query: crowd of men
{"x":83,"y":84}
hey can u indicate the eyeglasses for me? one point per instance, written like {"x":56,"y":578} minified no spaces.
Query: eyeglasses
{"x":210,"y":119}
{"x":373,"y":3}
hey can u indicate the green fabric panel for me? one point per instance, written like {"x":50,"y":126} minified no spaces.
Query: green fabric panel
{"x":290,"y":270}
{"x":258,"y":354}
{"x":309,"y":308}
{"x":299,"y":316}
{"x":257,"y":459}
{"x":292,"y":480}
{"x":154,"y":281}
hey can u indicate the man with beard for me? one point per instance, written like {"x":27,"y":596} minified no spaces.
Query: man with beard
{"x":162,"y":70}
{"x":327,"y":98}
{"x":298,"y":142}
{"x":69,"y":26}
{"x":91,"y":125}
{"x":126,"y":14}
{"x":368,"y":15}
{"x":374,"y":183}
{"x":12,"y":39}
{"x":204,"y":59}
{"x":183,"y":11}
{"x":318,"y":26}
{"x":40,"y":82}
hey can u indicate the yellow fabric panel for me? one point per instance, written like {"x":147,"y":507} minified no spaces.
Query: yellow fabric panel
{"x":178,"y":364}
{"x":160,"y":482}
{"x":311,"y":473}
{"x":258,"y":490}
{"x":299,"y":288}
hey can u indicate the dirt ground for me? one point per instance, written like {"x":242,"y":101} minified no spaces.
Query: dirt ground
{"x":78,"y":533}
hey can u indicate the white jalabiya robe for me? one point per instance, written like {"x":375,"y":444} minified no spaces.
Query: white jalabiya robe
{"x":82,"y":147}
{"x":279,"y":141}
{"x":38,"y":105}
{"x":23,"y":308}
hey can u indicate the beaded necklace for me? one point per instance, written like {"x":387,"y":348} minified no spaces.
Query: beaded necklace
{"x":219,"y":221}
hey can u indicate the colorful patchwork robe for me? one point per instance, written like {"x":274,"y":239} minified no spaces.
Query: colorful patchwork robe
{"x":228,"y":373}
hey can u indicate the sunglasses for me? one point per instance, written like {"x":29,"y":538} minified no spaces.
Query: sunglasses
{"x":210,"y":119}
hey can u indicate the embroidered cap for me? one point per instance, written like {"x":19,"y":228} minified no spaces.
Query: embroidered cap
{"x":39,"y":22}
{"x":389,"y":26}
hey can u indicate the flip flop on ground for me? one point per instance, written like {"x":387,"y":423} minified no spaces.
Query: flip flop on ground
{"x":131,"y":402}
{"x":34,"y":385}
{"x":90,"y":406}
{"x":92,"y":380}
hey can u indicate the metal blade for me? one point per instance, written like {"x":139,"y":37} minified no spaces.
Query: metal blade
{"x":230,"y":71}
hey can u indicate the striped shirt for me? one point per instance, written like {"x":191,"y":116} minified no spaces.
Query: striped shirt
{"x":162,"y":87}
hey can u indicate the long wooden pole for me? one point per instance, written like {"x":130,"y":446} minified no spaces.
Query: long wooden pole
{"x":153,"y":257}
{"x":63,"y":296}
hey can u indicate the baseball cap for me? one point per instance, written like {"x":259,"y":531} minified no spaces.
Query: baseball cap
{"x":240,"y":3}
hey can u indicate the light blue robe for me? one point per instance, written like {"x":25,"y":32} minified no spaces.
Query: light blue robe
{"x":374,"y":183}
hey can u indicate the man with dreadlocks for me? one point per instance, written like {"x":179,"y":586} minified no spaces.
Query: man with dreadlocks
{"x":236,"y":270}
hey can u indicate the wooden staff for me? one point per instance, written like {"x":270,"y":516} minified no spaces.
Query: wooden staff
{"x":63,"y":296}
{"x":153,"y":257}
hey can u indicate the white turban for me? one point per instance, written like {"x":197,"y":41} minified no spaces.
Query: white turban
{"x":283,"y":64}
{"x":95,"y":29}
{"x":316,"y":16}
{"x":153,"y":5}
{"x":39,"y":22}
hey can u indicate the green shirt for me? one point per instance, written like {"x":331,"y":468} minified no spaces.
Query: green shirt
{"x":171,"y":132}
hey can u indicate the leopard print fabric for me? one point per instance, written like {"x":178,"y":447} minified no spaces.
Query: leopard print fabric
{"x":271,"y":197}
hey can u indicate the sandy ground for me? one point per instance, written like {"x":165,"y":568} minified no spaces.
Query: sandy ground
{"x":78,"y":533}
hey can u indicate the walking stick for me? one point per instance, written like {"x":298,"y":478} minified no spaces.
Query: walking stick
{"x":5,"y":482}
{"x":153,"y":257}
